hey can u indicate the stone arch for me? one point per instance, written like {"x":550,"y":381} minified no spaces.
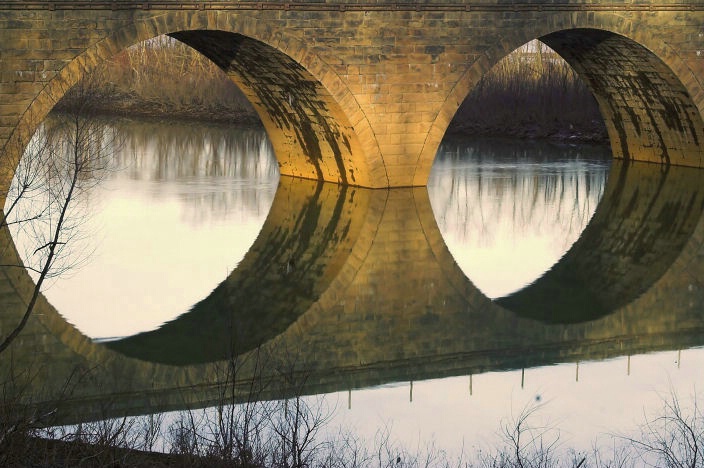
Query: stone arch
{"x":649,"y":114}
{"x":316,"y":126}
{"x":661,"y":124}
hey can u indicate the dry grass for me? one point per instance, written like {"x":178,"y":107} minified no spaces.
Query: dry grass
{"x":531,"y":93}
{"x":165,"y":77}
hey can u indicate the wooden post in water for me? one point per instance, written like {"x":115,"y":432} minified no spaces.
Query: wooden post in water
{"x":523,"y":376}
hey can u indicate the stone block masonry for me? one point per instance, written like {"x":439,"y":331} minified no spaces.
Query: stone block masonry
{"x":362,"y":93}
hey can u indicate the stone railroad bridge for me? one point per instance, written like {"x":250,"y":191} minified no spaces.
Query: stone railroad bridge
{"x":374,"y":296}
{"x":361,"y":93}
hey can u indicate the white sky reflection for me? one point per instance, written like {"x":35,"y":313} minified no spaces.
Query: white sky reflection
{"x":507,"y":214}
{"x":167,"y":226}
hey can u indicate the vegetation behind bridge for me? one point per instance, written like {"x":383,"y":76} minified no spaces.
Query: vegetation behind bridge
{"x":531,"y":93}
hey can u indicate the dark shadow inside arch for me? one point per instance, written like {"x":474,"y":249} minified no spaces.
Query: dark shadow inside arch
{"x":648,"y":112}
{"x":311,"y":135}
{"x":646,"y":216}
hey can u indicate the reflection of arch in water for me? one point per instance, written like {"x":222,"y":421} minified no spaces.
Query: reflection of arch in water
{"x":304,"y":243}
{"x":390,"y":306}
{"x":646,"y":216}
{"x":431,"y":320}
{"x":314,"y":238}
{"x":642,"y":223}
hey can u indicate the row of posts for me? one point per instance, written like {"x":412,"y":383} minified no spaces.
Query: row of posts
{"x":523,"y":378}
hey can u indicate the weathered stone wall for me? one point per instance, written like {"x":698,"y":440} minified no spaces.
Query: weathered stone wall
{"x":362,"y":94}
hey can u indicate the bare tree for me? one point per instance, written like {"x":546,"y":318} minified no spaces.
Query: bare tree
{"x":234,"y":431}
{"x":66,"y":158}
{"x":526,"y":444}
{"x":674,"y":439}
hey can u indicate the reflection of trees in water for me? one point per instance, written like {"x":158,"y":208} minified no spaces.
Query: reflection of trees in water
{"x":477,"y":188}
{"x":176,"y":151}
{"x":214,"y":170}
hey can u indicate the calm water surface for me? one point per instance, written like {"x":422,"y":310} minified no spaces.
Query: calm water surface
{"x":177,"y":214}
{"x":188,"y":202}
{"x":185,"y":204}
{"x":508,"y":210}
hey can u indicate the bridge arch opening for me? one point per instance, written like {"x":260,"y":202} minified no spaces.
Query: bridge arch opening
{"x":649,"y":116}
{"x":648,"y":112}
{"x":311,"y":134}
{"x":171,"y":158}
{"x":308,"y":130}
{"x":510,"y":190}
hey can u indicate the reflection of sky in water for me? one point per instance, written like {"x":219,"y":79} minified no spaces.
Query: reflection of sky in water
{"x":585,"y":405}
{"x":508,"y":212}
{"x":179,"y":214}
{"x":606,"y":400}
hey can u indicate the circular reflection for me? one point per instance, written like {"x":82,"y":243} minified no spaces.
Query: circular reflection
{"x":178,"y":209}
{"x":510,"y":209}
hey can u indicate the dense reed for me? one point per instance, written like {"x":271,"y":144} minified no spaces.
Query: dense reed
{"x":164,"y":77}
{"x":531,"y":93}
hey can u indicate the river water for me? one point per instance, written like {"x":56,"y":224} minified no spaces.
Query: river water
{"x":185,"y":205}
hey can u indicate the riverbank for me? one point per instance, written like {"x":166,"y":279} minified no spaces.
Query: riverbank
{"x":134,"y":107}
{"x":589,"y":132}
